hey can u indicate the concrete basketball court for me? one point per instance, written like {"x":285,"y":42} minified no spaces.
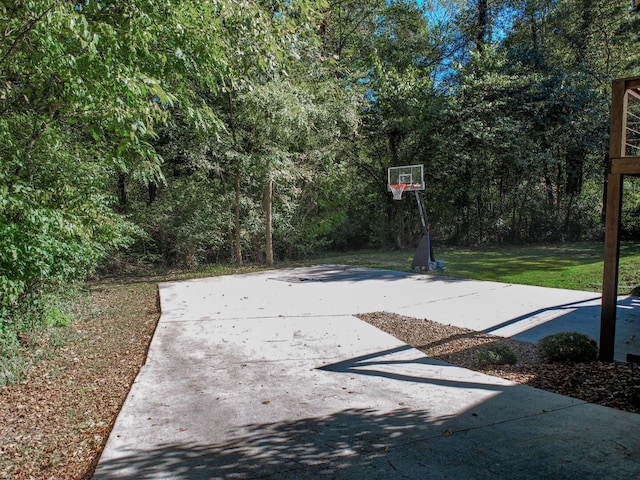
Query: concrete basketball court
{"x":269,"y":375}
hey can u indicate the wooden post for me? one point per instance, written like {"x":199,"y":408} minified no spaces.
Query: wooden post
{"x":611,"y":262}
{"x":612,"y":225}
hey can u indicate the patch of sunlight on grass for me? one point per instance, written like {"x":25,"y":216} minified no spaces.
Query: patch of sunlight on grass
{"x":574,"y":266}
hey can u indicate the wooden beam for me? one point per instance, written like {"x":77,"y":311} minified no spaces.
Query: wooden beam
{"x":618,"y":114}
{"x":625,"y":166}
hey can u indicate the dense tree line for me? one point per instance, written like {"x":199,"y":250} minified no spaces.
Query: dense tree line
{"x":239,"y":131}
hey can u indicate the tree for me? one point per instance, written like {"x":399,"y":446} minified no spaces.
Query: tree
{"x":83,"y":86}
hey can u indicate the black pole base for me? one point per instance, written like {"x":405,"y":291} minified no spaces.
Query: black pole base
{"x":423,"y":257}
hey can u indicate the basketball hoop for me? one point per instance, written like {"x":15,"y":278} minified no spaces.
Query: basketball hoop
{"x":405,"y":178}
{"x":397,"y":189}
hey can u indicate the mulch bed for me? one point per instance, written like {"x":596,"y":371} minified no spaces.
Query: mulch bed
{"x":615,"y":385}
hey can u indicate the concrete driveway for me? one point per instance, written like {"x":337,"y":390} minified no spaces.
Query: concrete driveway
{"x":269,"y":375}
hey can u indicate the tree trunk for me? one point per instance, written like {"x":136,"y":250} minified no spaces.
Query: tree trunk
{"x":153,"y":192}
{"x":582,"y":39}
{"x":575,"y":168}
{"x":238,"y":237}
{"x":481,"y":25}
{"x":238,"y":172}
{"x":123,"y":194}
{"x":394,"y":141}
{"x":267,"y":207}
{"x":548,"y":184}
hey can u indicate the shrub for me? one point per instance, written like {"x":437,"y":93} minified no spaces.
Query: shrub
{"x":568,"y":347}
{"x":497,"y":354}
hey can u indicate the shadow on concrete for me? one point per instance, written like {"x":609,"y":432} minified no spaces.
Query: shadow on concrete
{"x":583,"y":317}
{"x":351,"y":443}
{"x":373,"y":365}
{"x":344,"y":273}
{"x":563,"y":317}
{"x":366,"y":443}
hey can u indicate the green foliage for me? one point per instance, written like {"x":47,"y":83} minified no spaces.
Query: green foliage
{"x":187,"y":224}
{"x":568,"y":347}
{"x":56,"y":223}
{"x":76,"y":100}
{"x":181,"y":117}
{"x":497,"y":354}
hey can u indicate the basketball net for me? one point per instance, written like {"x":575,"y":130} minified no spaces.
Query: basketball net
{"x":397,"y":189}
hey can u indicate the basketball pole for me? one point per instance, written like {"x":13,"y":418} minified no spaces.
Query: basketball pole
{"x":423,"y":215}
{"x":423,"y":257}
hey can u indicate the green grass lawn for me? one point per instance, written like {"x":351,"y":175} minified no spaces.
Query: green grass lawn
{"x":575,"y":266}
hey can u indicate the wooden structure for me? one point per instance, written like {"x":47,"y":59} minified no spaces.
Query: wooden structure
{"x":624,"y":156}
